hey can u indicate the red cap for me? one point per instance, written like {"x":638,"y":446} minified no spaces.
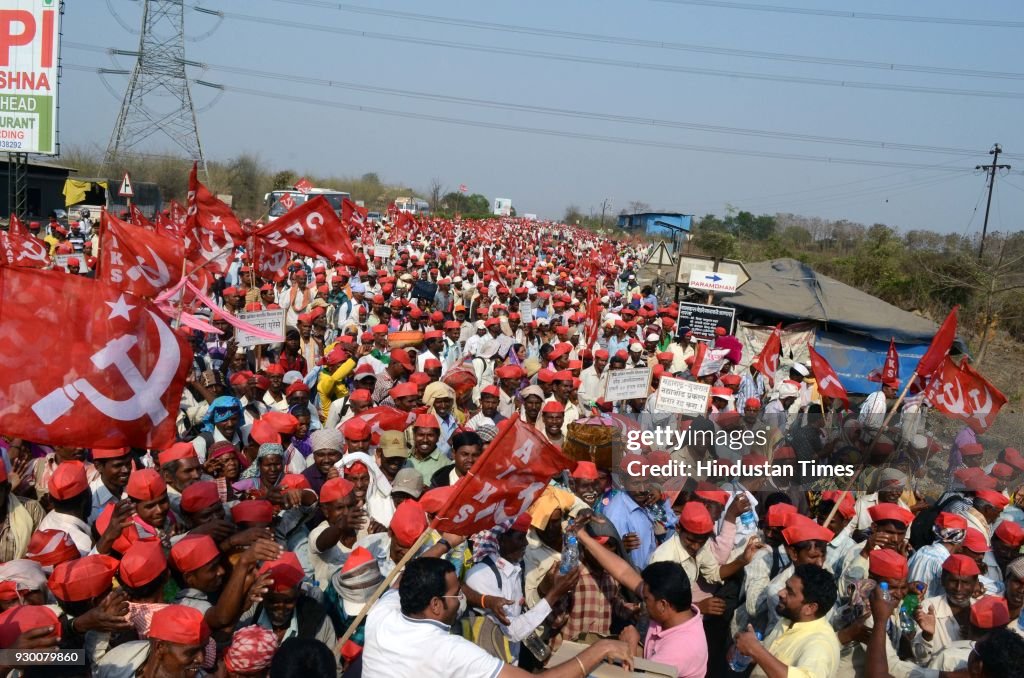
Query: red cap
{"x":145,"y":485}
{"x":784,"y":452}
{"x":177,"y":452}
{"x":712,"y":493}
{"x":893,"y":512}
{"x":49,"y":547}
{"x":975,"y":541}
{"x":888,"y":563}
{"x":109,"y":453}
{"x":950,"y":521}
{"x":360,"y":395}
{"x":286,"y":571}
{"x":82,"y":579}
{"x":426,"y":421}
{"x":296,"y":387}
{"x":961,"y":565}
{"x":281,"y":421}
{"x":356,"y":429}
{"x":491,"y":390}
{"x":143,"y":562}
{"x":695,"y":518}
{"x":408,"y":523}
{"x":990,"y":612}
{"x":404,"y":390}
{"x":1002,"y":471}
{"x":68,"y":480}
{"x":996,"y":499}
{"x":434,"y":500}
{"x":509,"y":372}
{"x":401,"y":356}
{"x":181,"y":625}
{"x":846,"y":508}
{"x":971,"y":450}
{"x":553,"y":407}
{"x":522,"y":523}
{"x":335,"y":489}
{"x":752,"y":404}
{"x":777,"y":514}
{"x":253,"y":511}
{"x":199,"y":496}
{"x":23,"y":618}
{"x":274,"y":369}
{"x":264,"y":432}
{"x":294,"y":481}
{"x":585,"y":470}
{"x":194,"y":551}
{"x":805,"y":530}
{"x":1010,"y":533}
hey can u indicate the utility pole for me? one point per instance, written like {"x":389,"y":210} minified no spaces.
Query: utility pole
{"x":158,"y":98}
{"x":605,"y":204}
{"x":991,"y":171}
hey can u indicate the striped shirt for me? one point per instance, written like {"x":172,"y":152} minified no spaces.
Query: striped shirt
{"x":926,"y":566}
{"x":751,"y":386}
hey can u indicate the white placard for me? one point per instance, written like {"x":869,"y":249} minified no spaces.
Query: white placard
{"x":689,"y":398}
{"x":382,"y":251}
{"x":271,"y":321}
{"x":628,"y":384}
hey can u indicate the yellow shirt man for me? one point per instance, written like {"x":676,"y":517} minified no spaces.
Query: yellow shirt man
{"x":810,"y":649}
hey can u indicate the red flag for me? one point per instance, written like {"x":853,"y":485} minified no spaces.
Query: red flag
{"x":827,"y":379}
{"x":270,"y":261}
{"x":386,"y":418}
{"x":406,"y":219}
{"x":24,"y":251}
{"x":178,"y":213}
{"x":352,"y":213}
{"x":960,"y":392}
{"x":137,"y":218}
{"x":311,"y":229}
{"x":121,"y":371}
{"x":699,"y":354}
{"x":891,"y":371}
{"x":592,"y":325}
{"x":767,"y":361}
{"x":511,"y":473}
{"x":16,"y":226}
{"x":136,"y":259}
{"x":931,"y":361}
{"x":211,"y":228}
{"x":303,"y":185}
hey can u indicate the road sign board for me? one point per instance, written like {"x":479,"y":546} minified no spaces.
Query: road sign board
{"x":712,"y":281}
{"x":689,"y":262}
{"x":126,"y":190}
{"x":660,"y":257}
{"x":702,"y":319}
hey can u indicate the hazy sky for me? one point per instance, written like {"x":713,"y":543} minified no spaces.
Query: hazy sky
{"x":543,"y":173}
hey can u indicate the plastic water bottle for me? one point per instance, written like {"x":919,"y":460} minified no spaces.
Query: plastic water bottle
{"x":536,"y":645}
{"x":749,"y":521}
{"x":886,"y":596}
{"x":738,"y":661}
{"x":570,"y":554}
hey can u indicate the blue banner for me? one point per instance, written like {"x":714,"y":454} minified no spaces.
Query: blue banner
{"x":853,"y":357}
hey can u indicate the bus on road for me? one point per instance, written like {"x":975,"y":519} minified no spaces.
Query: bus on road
{"x":276,"y":208}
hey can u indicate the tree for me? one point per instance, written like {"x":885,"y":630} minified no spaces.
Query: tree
{"x":283,"y":179}
{"x":715,"y":243}
{"x":434,"y":194}
{"x":638,"y":207}
{"x":573,"y":214}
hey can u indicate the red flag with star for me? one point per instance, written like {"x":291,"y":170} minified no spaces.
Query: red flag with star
{"x":137,"y":259}
{"x":211,"y":229}
{"x":510,"y":474}
{"x":960,"y":392}
{"x":311,"y":229}
{"x":116,"y":371}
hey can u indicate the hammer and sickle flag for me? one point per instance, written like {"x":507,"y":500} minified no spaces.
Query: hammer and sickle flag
{"x":137,"y":259}
{"x":85,"y":364}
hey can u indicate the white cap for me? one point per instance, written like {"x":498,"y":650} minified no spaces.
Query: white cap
{"x":788,"y":390}
{"x":799,"y":367}
{"x":652,"y":337}
{"x":480,"y":325}
{"x":636,"y":348}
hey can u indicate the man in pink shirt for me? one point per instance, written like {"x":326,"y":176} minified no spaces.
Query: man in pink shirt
{"x":676,"y":632}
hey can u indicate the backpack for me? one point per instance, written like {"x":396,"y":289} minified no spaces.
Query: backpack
{"x":921,"y":533}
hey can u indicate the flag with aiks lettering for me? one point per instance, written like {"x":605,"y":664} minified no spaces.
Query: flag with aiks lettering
{"x":136,"y":259}
{"x":114,"y":371}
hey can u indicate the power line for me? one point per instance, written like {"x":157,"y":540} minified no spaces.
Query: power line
{"x":551,"y":132}
{"x":653,"y":44}
{"x":609,"y":117}
{"x":278,"y":22}
{"x":846,"y":14}
{"x":892,"y":189}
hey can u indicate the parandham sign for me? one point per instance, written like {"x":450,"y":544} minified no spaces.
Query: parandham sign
{"x":29,"y":45}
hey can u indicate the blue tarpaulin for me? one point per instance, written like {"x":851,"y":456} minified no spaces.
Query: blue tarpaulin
{"x":854,"y":356}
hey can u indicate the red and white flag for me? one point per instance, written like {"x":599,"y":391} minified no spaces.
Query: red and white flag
{"x":303,"y":185}
{"x":827,"y":379}
{"x":352,"y":215}
{"x":507,"y":478}
{"x":24,"y":251}
{"x":890,"y":370}
{"x":767,"y":361}
{"x":136,"y":259}
{"x":386,"y":418}
{"x":137,"y":218}
{"x":942,"y":342}
{"x":311,"y":229}
{"x":120,"y":373}
{"x":16,"y":226}
{"x":960,"y":392}
{"x":211,"y":229}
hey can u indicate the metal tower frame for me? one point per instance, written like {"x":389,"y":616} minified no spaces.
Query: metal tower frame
{"x":158,"y":77}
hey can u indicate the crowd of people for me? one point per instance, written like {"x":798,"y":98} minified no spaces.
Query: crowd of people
{"x":305,"y":472}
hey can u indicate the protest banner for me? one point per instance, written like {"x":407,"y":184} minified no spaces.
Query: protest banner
{"x":271,"y":321}
{"x":689,"y":398}
{"x":628,"y":384}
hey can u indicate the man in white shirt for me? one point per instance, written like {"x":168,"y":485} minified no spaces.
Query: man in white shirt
{"x":593,"y":379}
{"x":872,"y":412}
{"x":408,"y":633}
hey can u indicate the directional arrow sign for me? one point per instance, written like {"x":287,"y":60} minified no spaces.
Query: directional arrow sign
{"x":691,"y":262}
{"x":712,"y":281}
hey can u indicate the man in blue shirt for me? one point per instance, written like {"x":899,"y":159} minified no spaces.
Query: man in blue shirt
{"x":642,"y":518}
